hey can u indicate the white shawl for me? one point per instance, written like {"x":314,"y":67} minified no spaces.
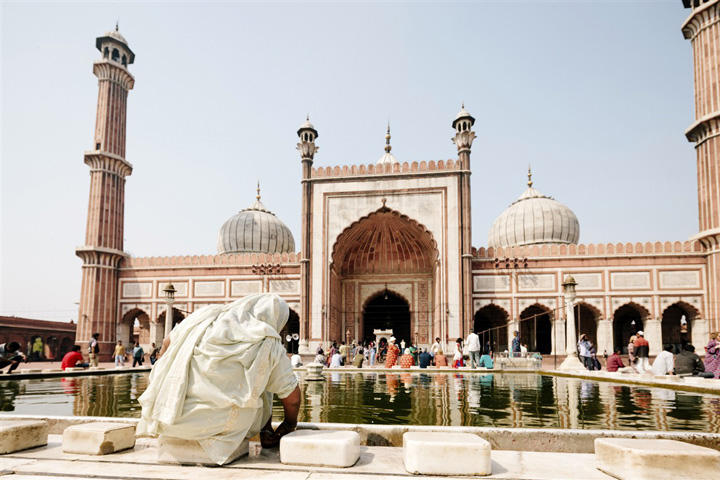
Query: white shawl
{"x":215,"y":382}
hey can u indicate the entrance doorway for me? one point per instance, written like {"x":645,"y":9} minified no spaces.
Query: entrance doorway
{"x":676,"y":326}
{"x":627,"y":322}
{"x":536,"y":329}
{"x":491,"y":325}
{"x":387,"y":311}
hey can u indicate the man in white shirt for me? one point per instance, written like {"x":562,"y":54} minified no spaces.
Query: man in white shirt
{"x":296,"y":361}
{"x":664,"y":363}
{"x":473,"y":349}
{"x":435,"y":349}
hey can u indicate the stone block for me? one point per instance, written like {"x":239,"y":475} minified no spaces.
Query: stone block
{"x":52,"y":370}
{"x":189,"y":452}
{"x":436,"y":453}
{"x":30,"y":370}
{"x":16,"y":435}
{"x":95,"y":369}
{"x":74,"y":369}
{"x":320,"y":448}
{"x":650,"y":459}
{"x":98,"y":438}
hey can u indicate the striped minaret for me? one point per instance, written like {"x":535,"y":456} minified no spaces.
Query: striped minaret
{"x":702,"y":28}
{"x":103,"y":247}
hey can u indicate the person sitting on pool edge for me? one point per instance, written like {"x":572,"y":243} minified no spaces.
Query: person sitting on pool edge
{"x":10,"y":354}
{"x":216,"y":379}
{"x":73,"y":359}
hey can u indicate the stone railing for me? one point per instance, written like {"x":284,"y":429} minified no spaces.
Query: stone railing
{"x":384,"y":169}
{"x":509,"y":361}
{"x":604,"y":249}
{"x":247,"y":259}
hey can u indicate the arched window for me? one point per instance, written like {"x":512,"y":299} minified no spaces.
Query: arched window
{"x":115,"y":55}
{"x":124,"y":60}
{"x":106,"y":52}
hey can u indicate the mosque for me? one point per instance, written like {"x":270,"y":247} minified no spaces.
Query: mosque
{"x":387,"y":246}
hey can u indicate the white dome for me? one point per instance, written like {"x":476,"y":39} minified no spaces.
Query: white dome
{"x":534,"y":219}
{"x":255,"y":230}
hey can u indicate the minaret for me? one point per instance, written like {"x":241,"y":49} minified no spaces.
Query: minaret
{"x":463,"y":139}
{"x":307,"y":149}
{"x":702,"y":28}
{"x":103,"y":247}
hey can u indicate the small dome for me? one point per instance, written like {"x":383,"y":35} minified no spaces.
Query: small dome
{"x":116,"y":35}
{"x":255,"y":230}
{"x":534,"y":219}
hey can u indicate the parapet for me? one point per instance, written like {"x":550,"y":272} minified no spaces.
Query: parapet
{"x":590,"y":250}
{"x":205,"y":260}
{"x":387,"y":169}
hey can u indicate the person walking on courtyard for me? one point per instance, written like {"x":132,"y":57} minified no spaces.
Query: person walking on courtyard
{"x":473,"y":349}
{"x":392,"y":353}
{"x":642,"y":351}
{"x":10,"y":354}
{"x":631,"y":350}
{"x":138,"y":354}
{"x":516,"y":344}
{"x":402,"y":345}
{"x":371,"y":354}
{"x":688,"y":363}
{"x":94,"y":349}
{"x":458,"y":354}
{"x":154,"y":354}
{"x":37,"y":349}
{"x":712,"y":355}
{"x":73,"y":359}
{"x":664,"y":363}
{"x":584,"y":351}
{"x":343,"y":350}
{"x":119,"y":354}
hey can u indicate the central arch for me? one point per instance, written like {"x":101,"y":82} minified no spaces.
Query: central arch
{"x":383,"y":247}
{"x":627,"y":321}
{"x":491,"y":324}
{"x":536,"y":328}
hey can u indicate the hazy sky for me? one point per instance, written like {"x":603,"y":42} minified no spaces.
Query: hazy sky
{"x":595,"y":95}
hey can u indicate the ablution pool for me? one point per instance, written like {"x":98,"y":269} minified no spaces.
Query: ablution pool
{"x":519,"y":400}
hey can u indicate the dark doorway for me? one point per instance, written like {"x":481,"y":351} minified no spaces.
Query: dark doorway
{"x":387,"y":311}
{"x":291,"y":329}
{"x":585,"y":323}
{"x":536,"y":329}
{"x":675,"y":331}
{"x":627,"y":322}
{"x":491,"y":325}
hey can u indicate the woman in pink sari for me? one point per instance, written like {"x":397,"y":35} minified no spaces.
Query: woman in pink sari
{"x":712,"y":355}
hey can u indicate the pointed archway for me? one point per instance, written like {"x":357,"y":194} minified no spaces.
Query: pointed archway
{"x":491,"y":325}
{"x":586,"y":321}
{"x":676,"y":324}
{"x":536,"y":329}
{"x":387,"y":311}
{"x":627,"y":321}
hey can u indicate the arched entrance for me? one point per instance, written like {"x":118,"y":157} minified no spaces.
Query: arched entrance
{"x":384,"y":247}
{"x":135,"y":326}
{"x":491,"y":325}
{"x":586,"y":321}
{"x":536,"y":329}
{"x":676,"y":330}
{"x":387,"y":311}
{"x":627,"y":321}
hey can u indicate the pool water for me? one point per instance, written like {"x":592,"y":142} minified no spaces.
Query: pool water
{"x":519,"y":400}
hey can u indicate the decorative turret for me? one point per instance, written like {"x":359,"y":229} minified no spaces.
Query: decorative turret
{"x":464,"y":135}
{"x":306,"y":147}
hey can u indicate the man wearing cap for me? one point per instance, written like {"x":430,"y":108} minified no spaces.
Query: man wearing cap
{"x":642,"y":351}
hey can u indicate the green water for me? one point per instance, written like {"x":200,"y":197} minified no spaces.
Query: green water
{"x":501,"y":400}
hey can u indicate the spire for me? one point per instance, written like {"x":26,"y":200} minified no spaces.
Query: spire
{"x":117,"y":25}
{"x":258,"y":191}
{"x":387,"y":139}
{"x":530,"y":182}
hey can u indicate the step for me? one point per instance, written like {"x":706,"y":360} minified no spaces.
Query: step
{"x":173,"y":450}
{"x":320,"y":448}
{"x":16,"y":435}
{"x":98,"y":438}
{"x":439,"y":453}
{"x":651,"y":459}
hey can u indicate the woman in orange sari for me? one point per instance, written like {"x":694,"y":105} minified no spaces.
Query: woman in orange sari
{"x":392,"y":353}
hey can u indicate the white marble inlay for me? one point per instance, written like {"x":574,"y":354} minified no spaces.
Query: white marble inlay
{"x":588,"y":281}
{"x":680,"y":279}
{"x":285,"y":286}
{"x":491,"y":283}
{"x":209,"y":289}
{"x":137,"y":290}
{"x":630,"y":280}
{"x":240,"y":288}
{"x":531,"y":282}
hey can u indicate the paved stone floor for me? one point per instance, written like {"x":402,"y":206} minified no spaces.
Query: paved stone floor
{"x":375,"y":463}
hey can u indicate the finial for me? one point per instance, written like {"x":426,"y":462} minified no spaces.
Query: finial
{"x":117,"y":25}
{"x":463,"y":105}
{"x":530,"y":182}
{"x":307,"y":117}
{"x":387,"y":139}
{"x":258,"y":191}
{"x":383,"y":200}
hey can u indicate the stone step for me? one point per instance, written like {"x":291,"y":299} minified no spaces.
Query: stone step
{"x":30,"y":370}
{"x":173,"y":450}
{"x":320,"y":448}
{"x":438,"y":453}
{"x":98,"y":438}
{"x":651,"y":459}
{"x":52,"y":370}
{"x":74,"y":369}
{"x":16,"y":435}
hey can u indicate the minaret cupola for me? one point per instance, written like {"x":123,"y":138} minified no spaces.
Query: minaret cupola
{"x":114,"y":48}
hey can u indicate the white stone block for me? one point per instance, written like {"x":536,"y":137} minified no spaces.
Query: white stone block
{"x":74,"y":369}
{"x":98,"y":438}
{"x":96,"y":368}
{"x":436,"y":453}
{"x":52,"y":370}
{"x":16,"y":435}
{"x":190,"y":452}
{"x":651,"y":459}
{"x":320,"y":448}
{"x":30,"y":370}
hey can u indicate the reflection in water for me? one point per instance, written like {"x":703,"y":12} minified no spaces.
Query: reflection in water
{"x":493,"y":399}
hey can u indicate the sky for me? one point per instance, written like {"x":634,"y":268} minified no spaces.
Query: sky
{"x":595,"y":96}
